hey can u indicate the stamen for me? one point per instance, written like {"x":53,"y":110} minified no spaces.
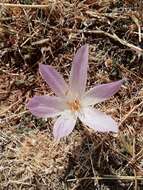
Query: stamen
{"x":74,"y":106}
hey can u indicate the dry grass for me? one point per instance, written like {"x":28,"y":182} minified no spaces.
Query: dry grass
{"x":31,"y":34}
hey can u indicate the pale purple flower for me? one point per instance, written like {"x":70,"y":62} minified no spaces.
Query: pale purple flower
{"x":72,"y":101}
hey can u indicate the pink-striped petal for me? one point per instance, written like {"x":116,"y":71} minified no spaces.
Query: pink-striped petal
{"x":98,"y":120}
{"x":78,"y":76}
{"x":64,"y":125}
{"x":102,"y":92}
{"x":46,"y":106}
{"x":54,"y":79}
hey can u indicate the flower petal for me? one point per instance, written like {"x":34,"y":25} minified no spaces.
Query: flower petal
{"x":78,"y":76}
{"x":102,"y":92}
{"x":98,"y":120}
{"x":45,"y":106}
{"x":54,"y":79}
{"x":64,"y":125}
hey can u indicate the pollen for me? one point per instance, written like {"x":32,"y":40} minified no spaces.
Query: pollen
{"x":74,"y":106}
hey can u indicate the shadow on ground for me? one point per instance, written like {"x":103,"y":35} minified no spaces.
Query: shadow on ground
{"x":95,"y":156}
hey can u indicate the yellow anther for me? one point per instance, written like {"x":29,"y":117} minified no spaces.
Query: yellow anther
{"x":74,"y":106}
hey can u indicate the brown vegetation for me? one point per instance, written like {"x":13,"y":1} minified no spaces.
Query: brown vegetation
{"x":49,"y":32}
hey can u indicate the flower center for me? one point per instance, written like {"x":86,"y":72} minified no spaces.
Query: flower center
{"x":74,"y":106}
